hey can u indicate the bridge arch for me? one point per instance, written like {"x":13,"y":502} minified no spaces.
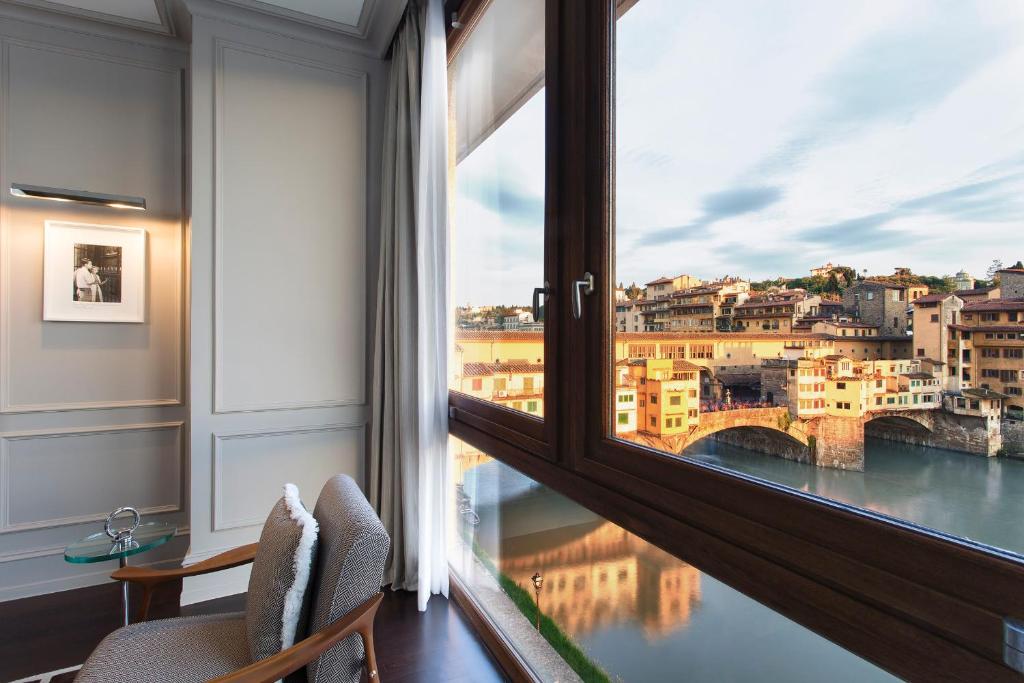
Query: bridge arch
{"x":776,"y":420}
{"x":789,"y":444}
{"x":915,"y":421}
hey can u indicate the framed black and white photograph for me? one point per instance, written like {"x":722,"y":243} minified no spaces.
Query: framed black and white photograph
{"x":94,"y":273}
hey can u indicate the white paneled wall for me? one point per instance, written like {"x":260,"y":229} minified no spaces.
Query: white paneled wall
{"x":289,"y":269}
{"x":283,"y":184}
{"x":92,"y":415}
{"x":256,"y":143}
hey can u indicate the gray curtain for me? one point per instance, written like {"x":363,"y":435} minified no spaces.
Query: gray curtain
{"x":394,"y":474}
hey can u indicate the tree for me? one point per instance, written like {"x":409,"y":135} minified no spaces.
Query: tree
{"x":832,"y":286}
{"x":633,"y":292}
{"x":992,"y":271}
{"x":845,"y":274}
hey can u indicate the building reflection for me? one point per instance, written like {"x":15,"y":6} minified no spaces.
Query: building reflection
{"x":596,"y":577}
{"x":596,"y":574}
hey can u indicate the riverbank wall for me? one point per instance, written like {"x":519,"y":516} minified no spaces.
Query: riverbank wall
{"x":1013,"y":438}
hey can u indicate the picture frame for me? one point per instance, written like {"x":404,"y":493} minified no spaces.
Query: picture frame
{"x":94,"y":273}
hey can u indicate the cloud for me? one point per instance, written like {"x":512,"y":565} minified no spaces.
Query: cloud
{"x":891,"y":77}
{"x":898,"y":72}
{"x":863,"y":232}
{"x":993,"y":200}
{"x":717,"y":206}
{"x":738,"y":201}
{"x":741,"y":258}
{"x":506,"y":198}
{"x":997,"y":199}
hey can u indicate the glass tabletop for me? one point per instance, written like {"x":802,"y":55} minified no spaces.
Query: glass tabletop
{"x":99,"y":547}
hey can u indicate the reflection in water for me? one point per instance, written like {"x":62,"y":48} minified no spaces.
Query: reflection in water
{"x":639,"y":612}
{"x":601,"y":575}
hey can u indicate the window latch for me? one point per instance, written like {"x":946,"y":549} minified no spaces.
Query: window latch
{"x":586,"y":286}
{"x":1013,"y":644}
{"x":537,"y":291}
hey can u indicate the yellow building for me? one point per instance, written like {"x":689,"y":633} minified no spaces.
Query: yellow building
{"x":626,"y":401}
{"x":507,"y":368}
{"x":915,"y":292}
{"x":842,"y":386}
{"x":669,"y":395}
{"x":518,"y":384}
{"x":664,"y":286}
{"x":844,"y":328}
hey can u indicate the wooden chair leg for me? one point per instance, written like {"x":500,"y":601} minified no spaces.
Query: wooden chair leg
{"x":371,"y":658}
{"x":147,"y":599}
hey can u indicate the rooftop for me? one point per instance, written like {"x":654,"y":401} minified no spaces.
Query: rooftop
{"x":995,"y":305}
{"x":932,"y":298}
{"x":973,"y":292}
{"x":881,"y":283}
{"x":983,"y":393}
{"x":510,"y":368}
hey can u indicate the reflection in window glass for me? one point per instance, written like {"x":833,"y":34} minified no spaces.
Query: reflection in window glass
{"x":497,"y":238}
{"x":818,"y":211}
{"x":612,"y":606}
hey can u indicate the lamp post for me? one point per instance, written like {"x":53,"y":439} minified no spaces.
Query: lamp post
{"x":538,"y":581}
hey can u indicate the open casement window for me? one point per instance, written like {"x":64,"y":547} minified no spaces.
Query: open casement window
{"x":781,"y":207}
{"x":503,"y":225}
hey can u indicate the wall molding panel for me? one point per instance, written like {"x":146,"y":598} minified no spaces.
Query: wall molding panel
{"x":225,"y":397}
{"x":8,"y":473}
{"x":9,"y":403}
{"x":281,"y":203}
{"x":221,"y":519}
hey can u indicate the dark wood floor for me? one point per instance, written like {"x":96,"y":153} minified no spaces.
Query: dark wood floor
{"x":56,"y":631}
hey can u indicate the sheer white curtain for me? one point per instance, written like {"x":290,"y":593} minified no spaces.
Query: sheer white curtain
{"x":433,"y":338}
{"x":409,"y":431}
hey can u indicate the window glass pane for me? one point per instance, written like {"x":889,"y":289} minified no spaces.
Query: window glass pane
{"x":817,"y":215}
{"x":612,"y":606}
{"x":497,"y":227}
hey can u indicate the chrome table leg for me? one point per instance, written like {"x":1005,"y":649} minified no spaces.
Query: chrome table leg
{"x":124,"y":593}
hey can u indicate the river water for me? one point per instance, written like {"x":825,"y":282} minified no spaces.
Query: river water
{"x":643,"y":614}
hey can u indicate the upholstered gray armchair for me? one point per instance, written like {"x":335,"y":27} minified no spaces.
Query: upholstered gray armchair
{"x":343,"y":592}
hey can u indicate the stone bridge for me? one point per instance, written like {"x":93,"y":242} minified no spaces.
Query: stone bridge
{"x":776,"y":419}
{"x":826,"y":441}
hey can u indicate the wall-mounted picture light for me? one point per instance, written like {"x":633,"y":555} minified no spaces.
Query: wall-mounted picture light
{"x":59,"y":194}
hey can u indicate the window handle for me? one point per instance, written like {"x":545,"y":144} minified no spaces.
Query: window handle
{"x":586,"y":285}
{"x":537,"y":291}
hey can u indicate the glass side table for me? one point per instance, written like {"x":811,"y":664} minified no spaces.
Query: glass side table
{"x":119,"y":544}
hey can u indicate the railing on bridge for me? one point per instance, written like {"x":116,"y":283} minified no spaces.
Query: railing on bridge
{"x":720,"y":406}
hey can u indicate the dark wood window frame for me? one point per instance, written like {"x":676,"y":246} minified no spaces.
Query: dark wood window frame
{"x":921,"y":604}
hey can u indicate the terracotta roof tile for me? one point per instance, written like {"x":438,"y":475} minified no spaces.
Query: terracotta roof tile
{"x":995,"y":305}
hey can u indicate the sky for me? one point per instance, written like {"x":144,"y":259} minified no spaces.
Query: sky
{"x":763,"y":138}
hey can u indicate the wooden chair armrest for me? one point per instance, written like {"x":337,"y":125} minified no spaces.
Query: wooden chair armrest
{"x":226,"y":560}
{"x":151,"y":578}
{"x":359,"y":620}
